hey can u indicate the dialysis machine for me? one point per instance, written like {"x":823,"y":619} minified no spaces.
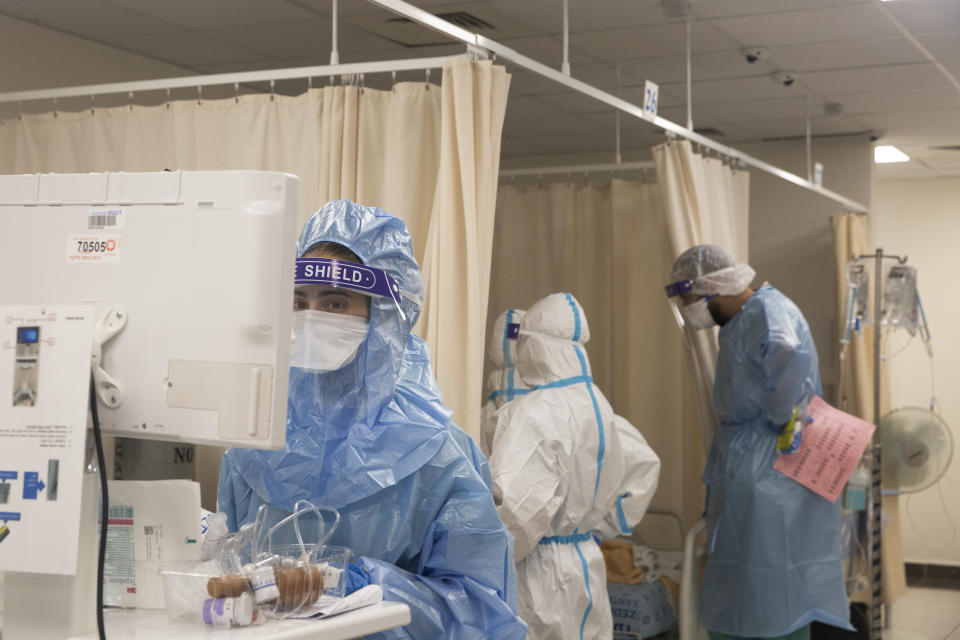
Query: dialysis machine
{"x":182,"y":282}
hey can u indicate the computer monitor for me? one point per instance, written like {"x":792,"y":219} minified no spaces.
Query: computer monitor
{"x":191,"y":275}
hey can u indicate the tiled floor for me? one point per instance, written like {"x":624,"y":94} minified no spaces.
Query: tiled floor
{"x":933,"y":614}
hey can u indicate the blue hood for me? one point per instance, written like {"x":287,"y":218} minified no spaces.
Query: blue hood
{"x":354,"y":431}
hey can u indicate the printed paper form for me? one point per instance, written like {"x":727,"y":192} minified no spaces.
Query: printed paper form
{"x":831,"y":449}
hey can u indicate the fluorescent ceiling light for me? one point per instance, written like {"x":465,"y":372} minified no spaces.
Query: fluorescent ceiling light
{"x":888,"y":153}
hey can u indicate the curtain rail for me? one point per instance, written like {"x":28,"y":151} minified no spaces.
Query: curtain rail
{"x":579,"y":168}
{"x":189,"y":82}
{"x":431,"y":21}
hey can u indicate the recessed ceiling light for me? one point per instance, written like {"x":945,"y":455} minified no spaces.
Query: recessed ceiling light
{"x":889,"y":153}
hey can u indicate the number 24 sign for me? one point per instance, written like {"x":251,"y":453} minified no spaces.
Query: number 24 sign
{"x":651,"y":93}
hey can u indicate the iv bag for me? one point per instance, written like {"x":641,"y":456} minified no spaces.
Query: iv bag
{"x":858,"y":292}
{"x":899,"y":307}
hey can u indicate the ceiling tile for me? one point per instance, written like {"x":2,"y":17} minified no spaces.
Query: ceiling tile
{"x":302,"y":38}
{"x":798,"y":128}
{"x":281,"y":39}
{"x":548,"y":50}
{"x":927,"y":16}
{"x":901,"y":100}
{"x":853,"y":53}
{"x":189,"y":48}
{"x":944,"y":46}
{"x":571,"y":102}
{"x":527,"y":82}
{"x":406,"y":32}
{"x":740,"y":89}
{"x":871,"y":79}
{"x":348,"y":8}
{"x":521,"y":107}
{"x":584,"y":16}
{"x":703,"y":66}
{"x":91,"y":19}
{"x":905,"y":171}
{"x":642,"y":42}
{"x":857,"y":21}
{"x":209,"y":14}
{"x":754,"y":110}
{"x":733,"y":8}
{"x":934,"y":127}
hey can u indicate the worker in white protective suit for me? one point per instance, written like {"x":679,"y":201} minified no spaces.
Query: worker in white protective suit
{"x":503,"y":383}
{"x":565,"y":468}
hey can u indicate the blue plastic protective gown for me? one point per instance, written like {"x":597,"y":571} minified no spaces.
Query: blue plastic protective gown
{"x":373,"y":440}
{"x":416,"y":378}
{"x":774,"y":546}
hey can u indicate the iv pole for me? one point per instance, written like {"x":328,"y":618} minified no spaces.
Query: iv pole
{"x":875,"y":504}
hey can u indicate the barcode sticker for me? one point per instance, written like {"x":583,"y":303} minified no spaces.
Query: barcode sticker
{"x":108,"y":218}
{"x":121,"y":512}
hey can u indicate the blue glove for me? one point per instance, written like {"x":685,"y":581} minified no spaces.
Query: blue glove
{"x":356,"y":578}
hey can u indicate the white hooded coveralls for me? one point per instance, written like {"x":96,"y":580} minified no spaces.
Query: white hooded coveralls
{"x":564,"y":467}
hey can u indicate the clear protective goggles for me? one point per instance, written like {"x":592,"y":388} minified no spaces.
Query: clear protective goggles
{"x":323,"y":277}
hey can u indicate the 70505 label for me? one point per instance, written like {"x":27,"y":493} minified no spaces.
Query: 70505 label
{"x":93,"y":247}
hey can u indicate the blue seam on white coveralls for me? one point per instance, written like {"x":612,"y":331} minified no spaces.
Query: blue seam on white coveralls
{"x":586,"y":582}
{"x":570,"y":539}
{"x":506,"y":354}
{"x":503,"y":392}
{"x":593,"y":397}
{"x":623,"y":519}
{"x":596,"y":413}
{"x":576,"y":317}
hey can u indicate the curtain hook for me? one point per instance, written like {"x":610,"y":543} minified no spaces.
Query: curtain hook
{"x":236,"y":93}
{"x":93,"y":104}
{"x":273,"y":86}
{"x":428,"y":79}
{"x":199,"y":95}
{"x":55,"y":108}
{"x":130,"y":99}
{"x":309,"y":83}
{"x":393,"y":80}
{"x":168,"y":98}
{"x":19,"y":110}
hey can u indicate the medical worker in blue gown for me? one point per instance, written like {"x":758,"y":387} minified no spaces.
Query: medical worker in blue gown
{"x":368,"y":434}
{"x":774,"y":546}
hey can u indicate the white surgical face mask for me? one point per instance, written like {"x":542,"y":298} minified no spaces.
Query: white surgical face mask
{"x":324,"y":341}
{"x":698,"y":315}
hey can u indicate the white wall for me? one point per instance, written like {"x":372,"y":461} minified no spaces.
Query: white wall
{"x":40,"y":58}
{"x":791,"y":240}
{"x":921,"y":218}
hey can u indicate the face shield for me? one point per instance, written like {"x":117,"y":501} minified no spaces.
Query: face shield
{"x":331,"y":301}
{"x":695,"y":313}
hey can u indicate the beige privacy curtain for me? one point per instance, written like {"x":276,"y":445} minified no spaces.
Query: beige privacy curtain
{"x":705,"y":201}
{"x":427,"y":154}
{"x":609,"y":246}
{"x":851,"y":236}
{"x":456,"y":261}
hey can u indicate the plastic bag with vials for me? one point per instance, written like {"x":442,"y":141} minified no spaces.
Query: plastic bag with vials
{"x":245,"y":578}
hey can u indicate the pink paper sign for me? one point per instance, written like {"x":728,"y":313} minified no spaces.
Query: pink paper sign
{"x":829,"y":452}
